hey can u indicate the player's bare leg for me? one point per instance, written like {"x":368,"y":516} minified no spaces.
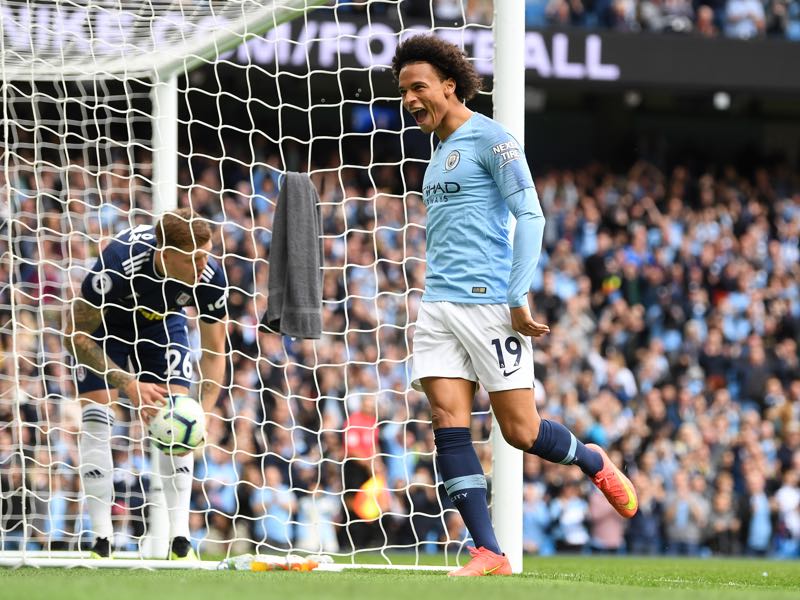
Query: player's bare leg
{"x":516,"y":414}
{"x":450,"y":400}
{"x":464,"y":481}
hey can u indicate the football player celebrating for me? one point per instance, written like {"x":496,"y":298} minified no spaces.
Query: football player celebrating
{"x":474,"y":324}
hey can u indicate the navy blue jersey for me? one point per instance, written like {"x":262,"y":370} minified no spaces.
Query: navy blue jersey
{"x":124,"y":283}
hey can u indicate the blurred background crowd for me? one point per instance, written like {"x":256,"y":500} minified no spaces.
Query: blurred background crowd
{"x":671,"y":289}
{"x":742,"y":19}
{"x":674,"y":307}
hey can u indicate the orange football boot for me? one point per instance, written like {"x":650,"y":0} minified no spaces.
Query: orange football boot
{"x":484,"y":562}
{"x":617,"y":488}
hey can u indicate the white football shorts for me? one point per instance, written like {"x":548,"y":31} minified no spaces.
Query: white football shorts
{"x":473,"y":342}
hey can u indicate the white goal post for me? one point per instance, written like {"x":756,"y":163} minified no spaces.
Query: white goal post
{"x":114,"y":112}
{"x":509,"y":109}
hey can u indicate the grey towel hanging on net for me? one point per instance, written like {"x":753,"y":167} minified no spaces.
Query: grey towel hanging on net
{"x":294,"y":305}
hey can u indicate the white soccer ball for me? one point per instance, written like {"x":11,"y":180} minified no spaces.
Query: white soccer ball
{"x":179,"y":427}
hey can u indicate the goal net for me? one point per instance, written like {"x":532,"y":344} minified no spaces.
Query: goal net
{"x":114,"y":111}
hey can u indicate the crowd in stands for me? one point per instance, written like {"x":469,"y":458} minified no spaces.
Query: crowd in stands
{"x":674,"y":308}
{"x":742,"y":19}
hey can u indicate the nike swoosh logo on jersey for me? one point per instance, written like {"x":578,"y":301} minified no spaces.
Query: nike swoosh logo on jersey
{"x":511,"y":372}
{"x":504,"y":163}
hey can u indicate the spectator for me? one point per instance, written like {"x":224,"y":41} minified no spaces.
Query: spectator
{"x":644,"y":531}
{"x":570,"y":514}
{"x":480,"y":11}
{"x":317,"y":513}
{"x":744,"y":19}
{"x":757,"y":516}
{"x":787,"y":501}
{"x":607,"y":527}
{"x":622,"y":16}
{"x":217,"y":475}
{"x":15,"y":504}
{"x":565,"y":12}
{"x":723,"y":525}
{"x":451,"y":10}
{"x":425,"y":508}
{"x":536,"y":13}
{"x":651,"y":15}
{"x":686,"y":516}
{"x":678,"y":15}
{"x":778,"y":17}
{"x":274,"y":507}
{"x":790,"y":448}
{"x":754,"y":372}
{"x":536,"y":537}
{"x":793,"y":21}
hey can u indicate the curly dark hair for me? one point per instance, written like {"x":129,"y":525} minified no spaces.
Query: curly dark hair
{"x":446,"y":58}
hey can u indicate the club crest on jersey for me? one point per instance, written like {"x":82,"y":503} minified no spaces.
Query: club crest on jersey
{"x":451,"y":162}
{"x":101,"y":283}
{"x":183,"y":299}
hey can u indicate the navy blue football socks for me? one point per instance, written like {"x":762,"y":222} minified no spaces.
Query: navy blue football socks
{"x":465,"y":483}
{"x":557,"y":444}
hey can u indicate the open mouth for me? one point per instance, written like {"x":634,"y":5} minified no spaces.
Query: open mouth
{"x":420,"y":115}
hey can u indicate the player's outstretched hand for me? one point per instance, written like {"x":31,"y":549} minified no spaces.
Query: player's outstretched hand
{"x":522,"y":322}
{"x":147,"y":397}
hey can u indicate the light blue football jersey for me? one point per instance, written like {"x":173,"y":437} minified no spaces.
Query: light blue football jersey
{"x":467,"y":182}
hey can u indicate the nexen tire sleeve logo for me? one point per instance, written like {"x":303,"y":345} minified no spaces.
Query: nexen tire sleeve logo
{"x":506,"y":152}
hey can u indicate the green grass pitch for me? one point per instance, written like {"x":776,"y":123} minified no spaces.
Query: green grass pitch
{"x":571,"y":578}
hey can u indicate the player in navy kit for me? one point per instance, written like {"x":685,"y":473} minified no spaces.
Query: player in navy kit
{"x":474,"y":322}
{"x":131,"y":310}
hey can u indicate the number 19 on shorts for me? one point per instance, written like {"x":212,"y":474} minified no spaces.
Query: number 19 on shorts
{"x":513,"y":347}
